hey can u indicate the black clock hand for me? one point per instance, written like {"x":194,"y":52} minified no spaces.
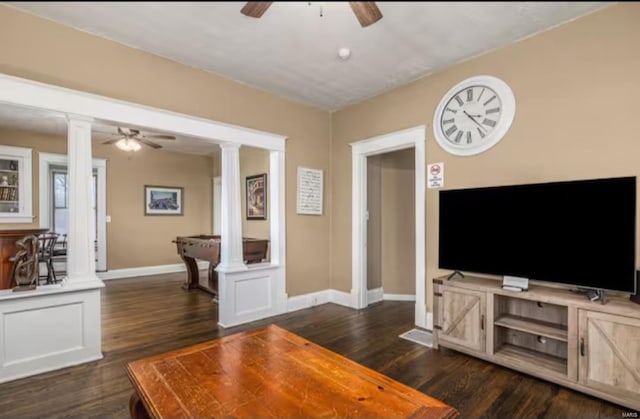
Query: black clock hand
{"x":474,"y":120}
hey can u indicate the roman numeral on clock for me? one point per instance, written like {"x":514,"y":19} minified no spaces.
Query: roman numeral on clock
{"x":481,"y":93}
{"x":490,"y":100}
{"x":489,"y":122}
{"x":460,"y":102}
{"x":493,"y":110}
{"x":469,"y":95}
{"x":447,"y":121}
{"x":451,"y":110}
{"x":468,"y":137}
{"x":458,"y":137}
{"x":451,"y":130}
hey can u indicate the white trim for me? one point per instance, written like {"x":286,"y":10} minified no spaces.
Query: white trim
{"x":508,"y":106}
{"x":375,"y":295}
{"x":412,"y":137}
{"x":399,"y":297}
{"x":429,"y":322}
{"x":23,"y":92}
{"x":45,"y":161}
{"x":147,"y":270}
{"x":25,"y":184}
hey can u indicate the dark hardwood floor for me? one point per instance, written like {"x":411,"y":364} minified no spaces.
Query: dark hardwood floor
{"x":148,"y":316}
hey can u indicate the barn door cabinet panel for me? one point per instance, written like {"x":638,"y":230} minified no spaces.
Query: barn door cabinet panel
{"x":461,"y":318}
{"x":610,"y":354}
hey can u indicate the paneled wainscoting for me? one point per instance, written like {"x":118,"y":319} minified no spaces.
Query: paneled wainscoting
{"x":152,"y":315}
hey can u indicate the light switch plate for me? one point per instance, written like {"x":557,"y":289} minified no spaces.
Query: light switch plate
{"x":108,"y":218}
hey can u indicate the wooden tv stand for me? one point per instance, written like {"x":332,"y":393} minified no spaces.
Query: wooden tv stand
{"x":551,"y":333}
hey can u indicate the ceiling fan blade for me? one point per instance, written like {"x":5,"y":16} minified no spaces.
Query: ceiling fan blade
{"x":366,"y":11}
{"x":160,"y":137}
{"x":115,"y":140}
{"x":149,"y":143}
{"x":255,"y":8}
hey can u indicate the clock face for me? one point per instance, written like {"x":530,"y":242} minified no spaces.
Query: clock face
{"x":471,"y":114}
{"x":474,"y":115}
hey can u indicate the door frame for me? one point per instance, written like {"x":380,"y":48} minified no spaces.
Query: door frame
{"x":46,"y":161}
{"x":399,"y":140}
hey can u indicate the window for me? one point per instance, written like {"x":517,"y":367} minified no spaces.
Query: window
{"x":61,"y":201}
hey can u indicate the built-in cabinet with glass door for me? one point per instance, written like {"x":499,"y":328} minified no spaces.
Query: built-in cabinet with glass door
{"x":15,"y":185}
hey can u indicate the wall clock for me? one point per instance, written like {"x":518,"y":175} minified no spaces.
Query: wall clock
{"x":474,"y":115}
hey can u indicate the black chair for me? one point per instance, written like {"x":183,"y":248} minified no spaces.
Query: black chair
{"x":45,"y":254}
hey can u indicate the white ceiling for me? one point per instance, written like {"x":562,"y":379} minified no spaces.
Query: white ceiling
{"x":52,"y":123}
{"x":292,"y":51}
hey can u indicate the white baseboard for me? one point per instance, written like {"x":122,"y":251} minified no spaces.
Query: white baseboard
{"x":399,"y":297}
{"x":342,"y":298}
{"x":147,"y":270}
{"x":378,"y":294}
{"x":375,"y":295}
{"x":300,"y":302}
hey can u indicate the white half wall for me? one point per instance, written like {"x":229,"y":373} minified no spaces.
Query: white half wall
{"x":252,"y":294}
{"x":47,"y":329}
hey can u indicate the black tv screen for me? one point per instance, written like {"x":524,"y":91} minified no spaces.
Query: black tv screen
{"x":580,"y":232}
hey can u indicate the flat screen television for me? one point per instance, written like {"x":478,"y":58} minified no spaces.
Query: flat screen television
{"x":580,"y":233}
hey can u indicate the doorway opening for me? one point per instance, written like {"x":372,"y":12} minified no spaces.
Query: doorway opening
{"x":413,"y":138}
{"x":391,"y":226}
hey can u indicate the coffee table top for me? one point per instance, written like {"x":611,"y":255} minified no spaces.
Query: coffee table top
{"x":272,"y":373}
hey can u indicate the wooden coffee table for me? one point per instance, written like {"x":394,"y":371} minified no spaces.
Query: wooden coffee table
{"x":269,"y":373}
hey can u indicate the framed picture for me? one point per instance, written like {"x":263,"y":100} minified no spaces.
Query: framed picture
{"x":163,"y":200}
{"x":257,"y":197}
{"x":310,"y":191}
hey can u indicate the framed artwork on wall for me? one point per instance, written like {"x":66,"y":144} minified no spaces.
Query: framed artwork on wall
{"x":163,"y":200}
{"x":257,"y":197}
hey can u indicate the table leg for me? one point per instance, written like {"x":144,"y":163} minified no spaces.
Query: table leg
{"x":136,"y":408}
{"x":192,"y":273}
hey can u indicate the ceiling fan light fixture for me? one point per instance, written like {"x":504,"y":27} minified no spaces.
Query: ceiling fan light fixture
{"x":128,"y":144}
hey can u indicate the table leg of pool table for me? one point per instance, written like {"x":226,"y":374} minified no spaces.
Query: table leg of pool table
{"x":192,"y":273}
{"x":136,"y":408}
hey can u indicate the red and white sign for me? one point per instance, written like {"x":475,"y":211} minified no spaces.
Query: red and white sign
{"x":435,"y":175}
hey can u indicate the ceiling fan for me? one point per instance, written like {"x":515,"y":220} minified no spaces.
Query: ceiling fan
{"x":366,"y":11}
{"x":130,"y":139}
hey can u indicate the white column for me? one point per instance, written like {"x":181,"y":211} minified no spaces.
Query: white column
{"x":81,"y":264}
{"x":277,"y":207}
{"x":231,"y":259}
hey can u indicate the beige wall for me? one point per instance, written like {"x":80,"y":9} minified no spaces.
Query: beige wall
{"x":254,"y":161}
{"x":134,"y":239}
{"x":576,"y":89}
{"x":398,"y":222}
{"x":45,"y":51}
